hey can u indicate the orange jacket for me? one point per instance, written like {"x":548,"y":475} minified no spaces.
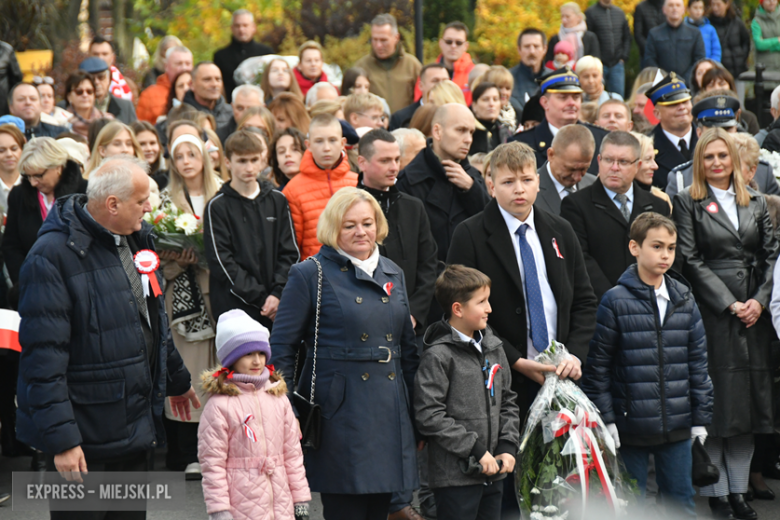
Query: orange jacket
{"x":309,"y":192}
{"x":460,"y":75}
{"x":153,"y":100}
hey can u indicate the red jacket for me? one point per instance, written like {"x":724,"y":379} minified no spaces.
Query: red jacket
{"x":460,"y":75}
{"x":309,"y":192}
{"x":153,"y":100}
{"x":305,"y":83}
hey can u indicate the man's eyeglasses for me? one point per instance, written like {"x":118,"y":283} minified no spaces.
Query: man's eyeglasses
{"x":40,"y":80}
{"x":622,"y":163}
{"x":375,"y":119}
{"x":456,"y":43}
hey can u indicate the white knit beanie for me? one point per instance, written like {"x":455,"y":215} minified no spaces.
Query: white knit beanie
{"x":239,"y":335}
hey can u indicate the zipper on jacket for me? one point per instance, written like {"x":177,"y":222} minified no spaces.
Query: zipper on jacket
{"x":486,"y":376}
{"x":659,"y":341}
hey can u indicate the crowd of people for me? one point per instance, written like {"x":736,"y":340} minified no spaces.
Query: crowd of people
{"x":386,"y":242}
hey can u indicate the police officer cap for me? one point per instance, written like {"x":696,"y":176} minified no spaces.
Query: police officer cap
{"x":717,"y":111}
{"x":563,"y":80}
{"x":669,"y":91}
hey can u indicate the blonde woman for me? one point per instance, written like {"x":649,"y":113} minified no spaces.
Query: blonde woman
{"x":729,"y":249}
{"x":119,"y":139}
{"x":192,"y":184}
{"x":644,"y":176}
{"x":591,"y":73}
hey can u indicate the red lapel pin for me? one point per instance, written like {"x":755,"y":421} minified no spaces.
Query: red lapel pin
{"x":557,"y":250}
{"x":388,"y":287}
{"x":712,"y":207}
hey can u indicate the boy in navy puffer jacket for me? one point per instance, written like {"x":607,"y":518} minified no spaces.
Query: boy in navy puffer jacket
{"x":647,"y":365}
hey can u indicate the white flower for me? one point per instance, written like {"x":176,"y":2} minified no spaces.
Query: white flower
{"x":622,"y":503}
{"x":550,"y":510}
{"x":535,"y":508}
{"x":773,"y":158}
{"x":187,"y":223}
{"x":537,"y":516}
{"x":565,"y":515}
{"x":535,"y":491}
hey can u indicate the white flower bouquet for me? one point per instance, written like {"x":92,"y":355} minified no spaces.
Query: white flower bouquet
{"x":176,"y":230}
{"x":773,"y":158}
{"x":568,"y":465}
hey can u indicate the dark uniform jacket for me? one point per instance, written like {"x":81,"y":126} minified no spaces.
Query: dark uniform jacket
{"x":667,"y":156}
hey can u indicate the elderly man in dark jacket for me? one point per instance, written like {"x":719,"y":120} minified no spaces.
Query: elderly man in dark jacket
{"x":97,"y":360}
{"x":611,"y":27}
{"x":648,"y":14}
{"x":674,"y":46}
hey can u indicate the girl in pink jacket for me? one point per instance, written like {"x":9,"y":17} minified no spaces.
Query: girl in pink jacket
{"x":248,"y":442}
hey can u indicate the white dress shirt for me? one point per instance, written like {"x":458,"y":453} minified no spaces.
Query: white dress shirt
{"x":662,"y":297}
{"x":562,"y":193}
{"x":550,"y":305}
{"x":727,"y":200}
{"x":553,"y":129}
{"x":675,"y":140}
{"x":630,"y":194}
{"x":467,"y":339}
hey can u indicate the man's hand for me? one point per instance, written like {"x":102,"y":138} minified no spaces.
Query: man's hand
{"x":533,"y":370}
{"x":414,"y":322}
{"x":71,"y":464}
{"x":270,"y":307}
{"x":489,"y":464}
{"x":180,"y":405}
{"x":749,"y":312}
{"x":570,"y":367}
{"x":509,"y":462}
{"x":457,"y":175}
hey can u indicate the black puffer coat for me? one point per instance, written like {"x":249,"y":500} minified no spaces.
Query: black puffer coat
{"x":649,"y":379}
{"x":648,"y":14}
{"x":734,"y":43}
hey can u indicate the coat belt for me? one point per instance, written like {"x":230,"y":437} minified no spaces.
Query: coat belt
{"x":380,"y":353}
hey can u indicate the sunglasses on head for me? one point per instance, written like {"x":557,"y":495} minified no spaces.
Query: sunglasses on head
{"x":40,"y":80}
{"x":82,"y":91}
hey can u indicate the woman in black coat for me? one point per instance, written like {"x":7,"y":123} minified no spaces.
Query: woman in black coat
{"x":47,"y":174}
{"x":733,"y":35}
{"x":726,"y":239}
{"x":486,"y":105}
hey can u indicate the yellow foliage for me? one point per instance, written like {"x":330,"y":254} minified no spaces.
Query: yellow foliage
{"x":498,"y":22}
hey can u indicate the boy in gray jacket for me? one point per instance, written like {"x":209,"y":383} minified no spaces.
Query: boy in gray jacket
{"x":463,"y":401}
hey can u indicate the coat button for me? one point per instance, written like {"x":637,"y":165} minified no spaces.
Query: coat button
{"x":159,"y":394}
{"x":385,"y":299}
{"x":364,"y":337}
{"x":389,"y":337}
{"x":345,"y":269}
{"x":740,"y":274}
{"x":391,"y":376}
{"x":518,"y":311}
{"x":359,"y":299}
{"x":364,"y":377}
{"x":739,"y":246}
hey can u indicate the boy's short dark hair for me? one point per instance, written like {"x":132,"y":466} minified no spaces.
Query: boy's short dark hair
{"x":647,"y":221}
{"x":457,"y":284}
{"x":243,"y":142}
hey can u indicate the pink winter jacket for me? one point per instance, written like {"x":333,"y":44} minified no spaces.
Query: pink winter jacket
{"x":253,"y":480}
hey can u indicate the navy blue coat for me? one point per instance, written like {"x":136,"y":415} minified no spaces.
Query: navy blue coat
{"x":368,"y":443}
{"x":650,"y":380}
{"x":84,"y":374}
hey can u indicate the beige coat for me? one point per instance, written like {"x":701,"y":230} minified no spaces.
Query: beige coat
{"x":396,"y":85}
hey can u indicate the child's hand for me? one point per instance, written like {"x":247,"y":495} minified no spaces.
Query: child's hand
{"x":509,"y":462}
{"x":489,"y":464}
{"x":533,"y":370}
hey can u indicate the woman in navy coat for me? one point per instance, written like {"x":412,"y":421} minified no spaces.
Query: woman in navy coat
{"x":366,"y":361}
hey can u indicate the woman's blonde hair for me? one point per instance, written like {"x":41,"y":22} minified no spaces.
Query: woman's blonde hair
{"x":699,"y":185}
{"x":645,"y":143}
{"x":587,"y":63}
{"x":106,"y":135}
{"x":573,"y":7}
{"x":176,"y":186}
{"x":747,"y":148}
{"x":444,"y":92}
{"x":329,"y":225}
{"x":42,"y":153}
{"x":326,"y":106}
{"x":223,"y":169}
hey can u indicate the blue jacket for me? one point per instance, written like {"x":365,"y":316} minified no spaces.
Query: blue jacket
{"x":368,"y":443}
{"x":651,"y":381}
{"x":710,"y":35}
{"x":84,"y":375}
{"x":524,"y":83}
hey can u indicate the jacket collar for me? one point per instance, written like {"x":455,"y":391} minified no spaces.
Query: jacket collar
{"x":189,"y":98}
{"x":743,"y":213}
{"x":384,"y":198}
{"x":441,"y":332}
{"x":384,"y":265}
{"x":678,"y":287}
{"x":310,"y":168}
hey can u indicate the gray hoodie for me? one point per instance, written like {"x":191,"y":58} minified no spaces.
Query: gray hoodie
{"x":456,"y":412}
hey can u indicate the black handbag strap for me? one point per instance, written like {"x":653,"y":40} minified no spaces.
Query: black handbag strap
{"x":316,"y":333}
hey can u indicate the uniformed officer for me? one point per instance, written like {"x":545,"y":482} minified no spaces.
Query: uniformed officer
{"x":718,"y":112}
{"x":561,"y":100}
{"x":674,"y":136}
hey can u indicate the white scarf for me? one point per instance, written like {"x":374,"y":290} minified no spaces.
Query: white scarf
{"x":574,"y":36}
{"x":368,"y":265}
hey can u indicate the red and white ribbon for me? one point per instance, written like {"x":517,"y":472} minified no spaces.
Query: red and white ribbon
{"x":146,"y":263}
{"x":579,"y":424}
{"x":247,"y":429}
{"x":492,"y":375}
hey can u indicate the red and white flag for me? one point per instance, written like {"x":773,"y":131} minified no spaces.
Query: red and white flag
{"x":9,"y":330}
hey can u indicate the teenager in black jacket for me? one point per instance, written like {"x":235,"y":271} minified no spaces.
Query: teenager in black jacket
{"x":249,"y":236}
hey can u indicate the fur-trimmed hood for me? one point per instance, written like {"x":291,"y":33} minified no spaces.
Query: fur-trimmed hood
{"x":275,"y":385}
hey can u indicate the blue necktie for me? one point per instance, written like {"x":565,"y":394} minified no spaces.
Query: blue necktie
{"x":534,"y":301}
